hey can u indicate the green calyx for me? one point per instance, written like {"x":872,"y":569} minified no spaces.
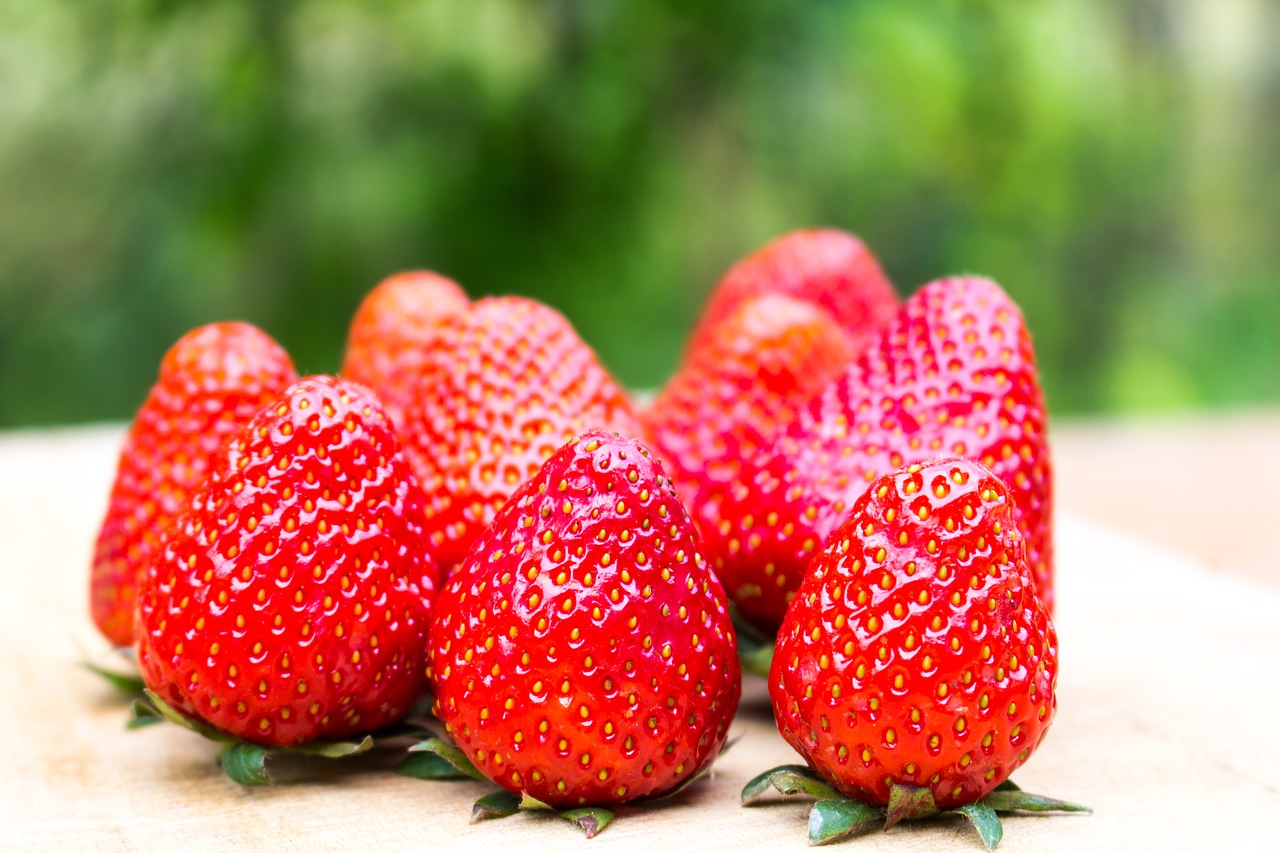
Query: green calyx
{"x":243,"y":761}
{"x":755,"y":648}
{"x":438,"y":759}
{"x":591,"y":819}
{"x":127,"y":683}
{"x":434,"y":758}
{"x":835,"y":817}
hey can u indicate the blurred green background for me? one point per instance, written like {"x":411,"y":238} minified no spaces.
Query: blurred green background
{"x":1114,"y":163}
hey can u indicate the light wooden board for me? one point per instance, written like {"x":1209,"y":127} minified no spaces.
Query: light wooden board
{"x":1169,"y":700}
{"x":1201,"y":484}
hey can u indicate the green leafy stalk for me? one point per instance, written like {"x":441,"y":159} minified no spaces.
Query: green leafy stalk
{"x":591,"y":820}
{"x":428,"y":765}
{"x":909,"y":802}
{"x":142,"y":713}
{"x":833,"y":820}
{"x":451,"y":755}
{"x":173,"y":715}
{"x":497,"y":804}
{"x":755,"y":648}
{"x":245,"y":763}
{"x":788,"y":780}
{"x":835,"y":817}
{"x":128,"y":683}
{"x":984,"y":819}
{"x":1021,"y":801}
{"x":757,"y":661}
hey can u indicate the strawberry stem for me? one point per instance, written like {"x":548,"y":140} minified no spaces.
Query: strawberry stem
{"x":909,"y":802}
{"x":245,"y":763}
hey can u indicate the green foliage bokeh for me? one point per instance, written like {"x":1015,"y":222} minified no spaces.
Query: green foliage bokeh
{"x":1115,"y":164}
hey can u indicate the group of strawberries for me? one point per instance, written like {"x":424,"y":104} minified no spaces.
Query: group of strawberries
{"x":475,"y":508}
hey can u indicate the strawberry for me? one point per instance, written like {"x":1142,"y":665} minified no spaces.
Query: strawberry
{"x":583,"y":653}
{"x":954,"y":373}
{"x":502,"y":387}
{"x":392,"y":332}
{"x":757,"y":367}
{"x":917,"y":651}
{"x":211,"y":383}
{"x":826,"y":266}
{"x":290,"y":601}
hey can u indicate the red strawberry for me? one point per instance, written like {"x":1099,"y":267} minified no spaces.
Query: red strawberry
{"x":503,"y":385}
{"x":583,"y":653}
{"x":393,"y":330}
{"x":748,"y":379}
{"x":211,"y":383}
{"x":954,"y":373}
{"x":917,"y":652}
{"x":290,"y":601}
{"x":830,"y":267}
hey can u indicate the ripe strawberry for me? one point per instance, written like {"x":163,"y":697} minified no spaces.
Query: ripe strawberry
{"x":748,"y":379}
{"x":392,"y":331}
{"x":829,"y":267}
{"x":211,"y":383}
{"x":290,"y":601}
{"x":503,"y":386}
{"x":583,"y":653}
{"x":917,"y":652}
{"x":954,"y":373}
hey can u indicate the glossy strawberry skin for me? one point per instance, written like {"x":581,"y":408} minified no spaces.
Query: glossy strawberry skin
{"x":917,"y":651}
{"x":954,"y":373}
{"x":290,"y":601}
{"x":583,"y":653}
{"x":211,"y":383}
{"x":752,"y":374}
{"x":826,"y":266}
{"x":505,"y":384}
{"x":392,"y":333}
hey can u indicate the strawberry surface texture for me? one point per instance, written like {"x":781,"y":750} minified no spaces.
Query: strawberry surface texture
{"x":955,"y":373}
{"x":748,"y":379}
{"x":583,"y":653}
{"x":503,"y":385}
{"x":392,"y":333}
{"x":917,"y":652}
{"x":290,"y":601}
{"x":828,"y":267}
{"x":211,"y":382}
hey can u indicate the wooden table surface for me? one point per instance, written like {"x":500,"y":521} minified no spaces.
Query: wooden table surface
{"x":1168,"y":693}
{"x":1202,"y":485}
